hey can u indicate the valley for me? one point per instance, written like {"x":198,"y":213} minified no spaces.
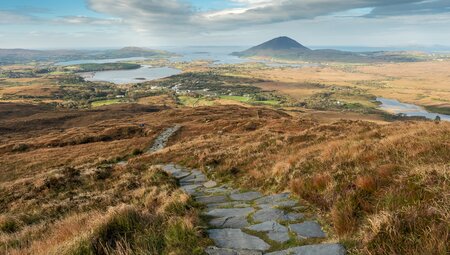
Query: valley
{"x":125,"y":164}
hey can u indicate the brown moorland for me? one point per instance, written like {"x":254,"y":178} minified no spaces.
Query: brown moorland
{"x":380,"y":189}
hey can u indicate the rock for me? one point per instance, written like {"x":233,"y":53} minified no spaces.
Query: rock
{"x":197,"y":178}
{"x":268,"y":226}
{"x":236,"y":239}
{"x":210,"y":184}
{"x":247,"y":196}
{"x":190,"y":189}
{"x":230,"y":222}
{"x":180,"y":175}
{"x":272,"y":198}
{"x":211,"y":199}
{"x":221,"y":251}
{"x":316,"y":249}
{"x":272,"y":214}
{"x":175,"y":171}
{"x":235,"y":204}
{"x":161,"y":141}
{"x":307,"y":229}
{"x":280,"y":237}
{"x":218,"y":190}
{"x":287,"y":203}
{"x":169,"y":168}
{"x":294,"y":216}
{"x":231,"y":212}
{"x":275,"y":231}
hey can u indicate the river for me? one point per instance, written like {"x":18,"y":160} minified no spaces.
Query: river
{"x":396,"y":107}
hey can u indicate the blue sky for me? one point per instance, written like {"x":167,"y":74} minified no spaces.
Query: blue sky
{"x":153,"y":23}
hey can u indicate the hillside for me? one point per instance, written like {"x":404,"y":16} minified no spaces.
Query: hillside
{"x":22,"y":56}
{"x":285,"y":48}
{"x":378,"y":189}
{"x":280,"y":43}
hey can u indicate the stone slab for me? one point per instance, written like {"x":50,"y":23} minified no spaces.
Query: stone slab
{"x":316,"y":249}
{"x":230,"y":222}
{"x":247,"y":196}
{"x":236,"y":239}
{"x":279,"y":237}
{"x":221,"y":251}
{"x":273,"y":214}
{"x":230,"y":212}
{"x":272,"y":198}
{"x":211,"y":199}
{"x":307,"y":229}
{"x":268,"y":226}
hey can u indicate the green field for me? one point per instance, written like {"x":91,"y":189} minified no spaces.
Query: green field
{"x":250,"y":100}
{"x":194,"y":101}
{"x":106,"y":102}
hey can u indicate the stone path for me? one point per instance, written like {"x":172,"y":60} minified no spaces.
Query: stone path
{"x":250,"y":223}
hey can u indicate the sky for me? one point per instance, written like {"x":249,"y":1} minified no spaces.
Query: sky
{"x":48,"y":24}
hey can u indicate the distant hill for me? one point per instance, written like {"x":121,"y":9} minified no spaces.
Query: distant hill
{"x":285,"y":48}
{"x":19,"y":56}
{"x":280,"y":43}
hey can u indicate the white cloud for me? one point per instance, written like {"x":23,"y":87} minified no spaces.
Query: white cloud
{"x":170,"y":16}
{"x":83,"y":20}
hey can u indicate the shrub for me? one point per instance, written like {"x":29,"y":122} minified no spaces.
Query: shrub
{"x":182,"y":239}
{"x":9,"y":224}
{"x":120,"y":226}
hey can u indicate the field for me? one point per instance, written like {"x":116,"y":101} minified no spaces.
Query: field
{"x":421,"y":83}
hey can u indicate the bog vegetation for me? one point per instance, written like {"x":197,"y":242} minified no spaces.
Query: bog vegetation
{"x":380,"y":189}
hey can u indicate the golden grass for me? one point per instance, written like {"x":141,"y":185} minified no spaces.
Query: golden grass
{"x":382,"y":189}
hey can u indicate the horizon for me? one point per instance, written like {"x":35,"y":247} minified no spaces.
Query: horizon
{"x":426,"y":48}
{"x":182,"y":23}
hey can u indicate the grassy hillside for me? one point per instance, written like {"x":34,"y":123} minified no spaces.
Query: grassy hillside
{"x":106,"y":67}
{"x":22,"y":56}
{"x":83,"y":203}
{"x":380,"y":189}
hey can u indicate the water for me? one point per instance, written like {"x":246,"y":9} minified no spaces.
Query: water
{"x":396,"y":107}
{"x":145,"y":73}
{"x":219,"y":55}
{"x":97,"y":61}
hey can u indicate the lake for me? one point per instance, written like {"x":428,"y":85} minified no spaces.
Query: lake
{"x":396,"y":107}
{"x":145,"y":73}
{"x":221,"y":55}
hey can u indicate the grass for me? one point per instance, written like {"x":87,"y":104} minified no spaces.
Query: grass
{"x":106,"y":102}
{"x":378,"y":188}
{"x":151,"y":217}
{"x":436,"y":109}
{"x":89,"y":206}
{"x":237,"y":98}
{"x":356,"y":173}
{"x":249,"y":100}
{"x":195,"y":101}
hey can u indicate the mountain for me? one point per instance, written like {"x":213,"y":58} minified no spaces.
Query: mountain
{"x":280,"y":43}
{"x":285,"y":48}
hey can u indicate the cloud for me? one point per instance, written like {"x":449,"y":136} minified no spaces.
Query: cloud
{"x":11,"y":17}
{"x":179,"y":16}
{"x":84,"y":20}
{"x":21,"y":17}
{"x":420,"y":8}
